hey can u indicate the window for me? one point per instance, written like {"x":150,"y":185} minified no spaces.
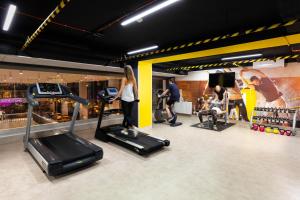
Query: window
{"x":13,"y":104}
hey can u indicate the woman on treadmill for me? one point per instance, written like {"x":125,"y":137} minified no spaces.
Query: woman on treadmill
{"x":128,"y":93}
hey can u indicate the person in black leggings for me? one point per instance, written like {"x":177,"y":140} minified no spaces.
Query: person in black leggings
{"x":128,"y":93}
{"x":127,"y":109}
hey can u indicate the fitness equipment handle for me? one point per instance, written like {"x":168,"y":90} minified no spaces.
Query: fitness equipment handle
{"x":74,"y":97}
{"x":30,"y":98}
{"x":32,"y":94}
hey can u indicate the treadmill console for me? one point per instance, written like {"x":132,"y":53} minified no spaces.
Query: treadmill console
{"x":111,"y":91}
{"x":49,"y":89}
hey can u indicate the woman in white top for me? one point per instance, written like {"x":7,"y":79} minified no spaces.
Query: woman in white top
{"x":128,"y":93}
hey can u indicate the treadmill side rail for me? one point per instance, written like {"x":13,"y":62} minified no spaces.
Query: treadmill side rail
{"x":126,"y":141}
{"x":38,"y":157}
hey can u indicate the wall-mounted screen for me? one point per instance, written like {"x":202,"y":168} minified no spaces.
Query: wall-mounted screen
{"x":223,"y":79}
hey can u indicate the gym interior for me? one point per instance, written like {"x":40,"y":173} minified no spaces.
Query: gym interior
{"x":153,"y":99}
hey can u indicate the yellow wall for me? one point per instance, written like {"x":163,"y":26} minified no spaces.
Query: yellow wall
{"x":145,"y":93}
{"x":250,"y":100}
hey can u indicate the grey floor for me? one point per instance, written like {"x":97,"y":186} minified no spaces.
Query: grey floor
{"x":235,"y":164}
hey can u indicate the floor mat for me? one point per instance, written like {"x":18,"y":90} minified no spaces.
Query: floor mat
{"x":220,"y":125}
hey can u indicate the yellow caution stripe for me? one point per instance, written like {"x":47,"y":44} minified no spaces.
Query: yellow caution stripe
{"x":222,"y":37}
{"x":235,"y":63}
{"x":48,"y":20}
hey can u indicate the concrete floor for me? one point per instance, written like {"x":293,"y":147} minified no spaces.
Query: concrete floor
{"x":235,"y":164}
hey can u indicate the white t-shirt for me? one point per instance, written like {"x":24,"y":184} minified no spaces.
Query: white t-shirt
{"x":127,"y":94}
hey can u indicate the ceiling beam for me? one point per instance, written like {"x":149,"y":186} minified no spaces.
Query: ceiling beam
{"x":49,"y":19}
{"x":261,"y":44}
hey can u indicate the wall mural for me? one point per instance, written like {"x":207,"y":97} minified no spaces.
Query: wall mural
{"x":265,"y":87}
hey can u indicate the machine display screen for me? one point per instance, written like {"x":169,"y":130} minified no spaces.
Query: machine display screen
{"x":49,"y":88}
{"x":112,"y":91}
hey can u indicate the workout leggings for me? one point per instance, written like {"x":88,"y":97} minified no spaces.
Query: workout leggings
{"x":127,"y":110}
{"x":213,"y":113}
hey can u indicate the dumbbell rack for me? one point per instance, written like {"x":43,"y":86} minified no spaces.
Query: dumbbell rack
{"x":271,"y":114}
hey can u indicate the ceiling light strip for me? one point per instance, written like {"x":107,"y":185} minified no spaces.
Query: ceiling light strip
{"x":148,"y":12}
{"x":242,"y":57}
{"x":143,"y":50}
{"x":9,"y":17}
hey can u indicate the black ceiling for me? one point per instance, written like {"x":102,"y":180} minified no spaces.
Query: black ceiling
{"x":72,"y":36}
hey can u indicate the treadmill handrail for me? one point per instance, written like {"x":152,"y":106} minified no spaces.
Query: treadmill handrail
{"x":32,"y":94}
{"x":30,"y":98}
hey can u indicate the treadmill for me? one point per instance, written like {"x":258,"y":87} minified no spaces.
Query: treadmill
{"x":58,"y":153}
{"x":142,"y":143}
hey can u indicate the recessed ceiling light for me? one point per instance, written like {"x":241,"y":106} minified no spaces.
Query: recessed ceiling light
{"x":243,"y":56}
{"x":142,"y":50}
{"x":21,"y":72}
{"x":9,"y":17}
{"x":148,"y":12}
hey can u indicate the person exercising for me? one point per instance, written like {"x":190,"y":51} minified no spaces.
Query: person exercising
{"x":128,"y":93}
{"x":216,"y":106}
{"x":264,"y":85}
{"x":174,"y":97}
{"x":220,"y":93}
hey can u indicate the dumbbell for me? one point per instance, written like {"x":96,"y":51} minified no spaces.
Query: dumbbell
{"x":273,"y":120}
{"x":286,"y":110}
{"x":292,"y":111}
{"x":281,"y":120}
{"x":286,"y":123}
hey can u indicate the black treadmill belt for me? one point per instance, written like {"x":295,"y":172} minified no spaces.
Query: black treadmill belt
{"x":66,"y":148}
{"x":142,"y":139}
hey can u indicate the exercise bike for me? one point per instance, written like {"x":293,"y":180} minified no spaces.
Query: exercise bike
{"x":161,"y":115}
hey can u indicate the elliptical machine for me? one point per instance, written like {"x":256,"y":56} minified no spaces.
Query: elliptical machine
{"x":161,"y":114}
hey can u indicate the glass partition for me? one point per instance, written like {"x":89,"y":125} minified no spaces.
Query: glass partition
{"x":13,"y":104}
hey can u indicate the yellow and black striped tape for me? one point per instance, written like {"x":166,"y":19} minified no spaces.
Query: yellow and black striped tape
{"x":236,"y":63}
{"x":217,"y":38}
{"x":48,"y":20}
